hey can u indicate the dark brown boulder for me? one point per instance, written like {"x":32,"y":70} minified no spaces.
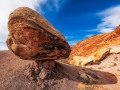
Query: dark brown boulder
{"x":32,"y":37}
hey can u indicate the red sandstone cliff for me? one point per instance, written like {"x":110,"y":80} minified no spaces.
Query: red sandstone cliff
{"x":95,"y":47}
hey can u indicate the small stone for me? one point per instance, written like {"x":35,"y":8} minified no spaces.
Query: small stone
{"x":86,"y":78}
{"x":53,"y":83}
{"x":91,"y":68}
{"x":43,"y":74}
{"x":32,"y":78}
{"x":100,"y":67}
{"x":42,"y":85}
{"x":118,"y":69}
{"x":116,"y":58}
{"x":83,"y":75}
{"x":112,"y":64}
{"x":27,"y":73}
{"x":37,"y":70}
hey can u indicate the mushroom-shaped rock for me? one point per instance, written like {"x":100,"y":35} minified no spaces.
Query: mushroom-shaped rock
{"x":32,"y":37}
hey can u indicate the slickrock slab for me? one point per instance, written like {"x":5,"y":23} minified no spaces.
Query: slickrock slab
{"x":96,"y":56}
{"x":32,"y":37}
{"x":95,"y":48}
{"x":115,"y":49}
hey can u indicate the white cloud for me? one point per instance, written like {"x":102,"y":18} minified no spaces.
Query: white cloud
{"x":110,"y":19}
{"x":58,"y":4}
{"x":3,"y":46}
{"x":7,"y":6}
{"x":54,"y":5}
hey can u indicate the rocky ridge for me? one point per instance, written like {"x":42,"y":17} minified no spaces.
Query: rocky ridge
{"x":95,"y":48}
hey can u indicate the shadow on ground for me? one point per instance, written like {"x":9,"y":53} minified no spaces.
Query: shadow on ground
{"x":73,"y":73}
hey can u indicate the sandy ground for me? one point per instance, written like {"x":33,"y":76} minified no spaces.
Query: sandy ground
{"x":13,"y":77}
{"x":110,"y":65}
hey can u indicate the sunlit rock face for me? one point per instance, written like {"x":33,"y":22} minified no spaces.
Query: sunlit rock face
{"x":32,"y":37}
{"x":95,"y":48}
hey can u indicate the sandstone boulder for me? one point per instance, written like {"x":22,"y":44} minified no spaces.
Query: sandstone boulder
{"x":32,"y":37}
{"x":96,"y":56}
{"x":77,"y":60}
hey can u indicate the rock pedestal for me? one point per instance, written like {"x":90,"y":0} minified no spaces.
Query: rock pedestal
{"x":32,"y":37}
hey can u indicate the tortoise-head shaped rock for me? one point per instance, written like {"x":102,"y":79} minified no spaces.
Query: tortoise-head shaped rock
{"x":32,"y":37}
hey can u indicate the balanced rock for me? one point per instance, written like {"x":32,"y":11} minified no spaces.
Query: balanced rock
{"x":32,"y":37}
{"x":95,"y":48}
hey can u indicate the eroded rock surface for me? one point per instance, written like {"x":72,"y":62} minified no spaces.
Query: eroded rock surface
{"x":32,"y":37}
{"x":95,"y":48}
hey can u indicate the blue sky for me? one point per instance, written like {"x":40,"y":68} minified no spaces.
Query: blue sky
{"x":79,"y":19}
{"x":75,"y":19}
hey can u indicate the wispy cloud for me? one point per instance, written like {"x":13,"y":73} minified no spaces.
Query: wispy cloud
{"x":53,"y":5}
{"x":69,"y":37}
{"x":89,"y":35}
{"x":110,"y":19}
{"x":56,"y":4}
{"x":72,"y":42}
{"x":92,"y":30}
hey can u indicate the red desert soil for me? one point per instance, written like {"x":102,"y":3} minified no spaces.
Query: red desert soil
{"x":13,"y":77}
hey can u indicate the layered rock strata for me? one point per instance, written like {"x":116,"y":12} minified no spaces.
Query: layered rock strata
{"x":95,"y":48}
